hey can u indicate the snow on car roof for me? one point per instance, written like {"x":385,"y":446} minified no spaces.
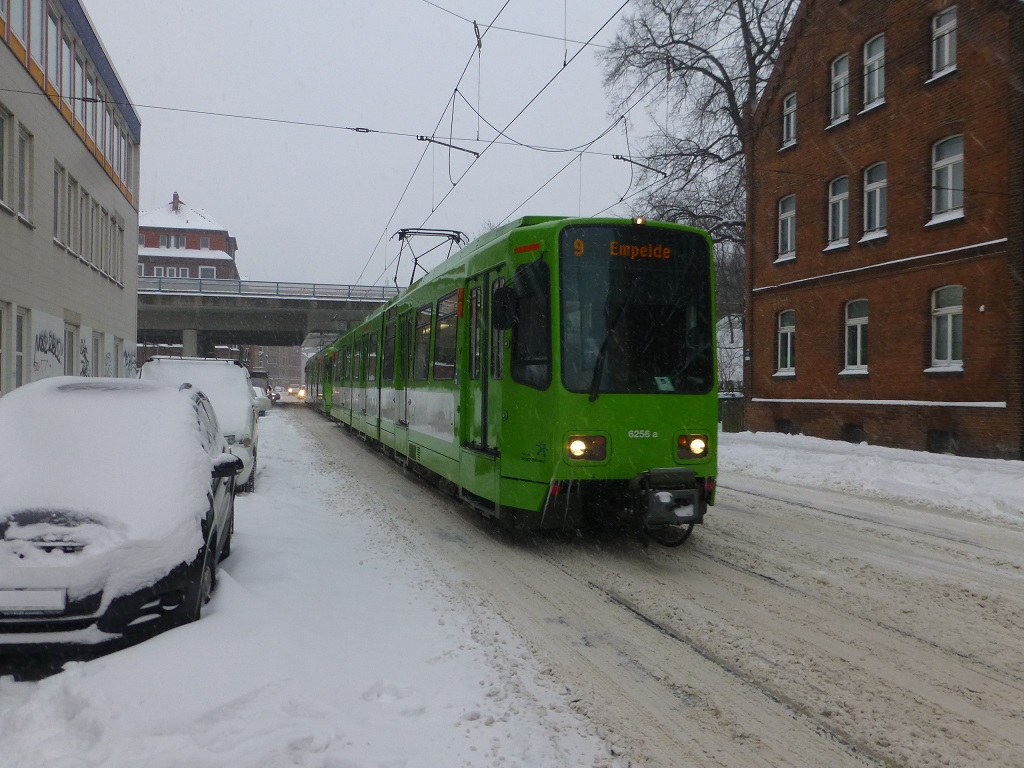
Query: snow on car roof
{"x":226,"y":384}
{"x":125,"y":452}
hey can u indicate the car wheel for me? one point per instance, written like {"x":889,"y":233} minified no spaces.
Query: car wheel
{"x":250,"y":485}
{"x":202,"y":589}
{"x":226,"y":549}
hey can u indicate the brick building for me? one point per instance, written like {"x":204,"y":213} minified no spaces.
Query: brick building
{"x":69,"y":180}
{"x":885,"y":245}
{"x":177,"y":240}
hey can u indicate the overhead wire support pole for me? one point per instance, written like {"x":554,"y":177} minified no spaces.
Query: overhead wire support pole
{"x":432,"y":140}
{"x":634,"y":162}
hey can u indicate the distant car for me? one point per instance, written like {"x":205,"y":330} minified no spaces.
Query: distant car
{"x":229,"y":388}
{"x":116,"y":506}
{"x":297,"y":390}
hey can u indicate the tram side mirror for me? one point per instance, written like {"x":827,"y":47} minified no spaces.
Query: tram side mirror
{"x":503,"y":308}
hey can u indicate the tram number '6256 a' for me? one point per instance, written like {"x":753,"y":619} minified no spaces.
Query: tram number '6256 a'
{"x":641,"y":433}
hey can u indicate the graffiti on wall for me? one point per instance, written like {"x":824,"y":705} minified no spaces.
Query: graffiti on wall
{"x":48,"y":356}
{"x":83,"y":359}
{"x":130,"y":366}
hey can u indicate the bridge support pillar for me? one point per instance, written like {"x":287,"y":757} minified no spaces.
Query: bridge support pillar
{"x":190,"y":342}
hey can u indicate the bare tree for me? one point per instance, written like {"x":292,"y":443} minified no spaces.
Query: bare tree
{"x":711,"y":59}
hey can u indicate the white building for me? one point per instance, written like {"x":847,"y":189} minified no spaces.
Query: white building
{"x":69,"y":149}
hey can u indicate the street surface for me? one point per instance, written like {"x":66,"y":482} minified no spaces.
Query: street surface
{"x":795,"y":628}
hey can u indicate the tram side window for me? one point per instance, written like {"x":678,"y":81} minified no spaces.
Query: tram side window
{"x":421,"y":345}
{"x":387,"y":369}
{"x":346,"y":363}
{"x":371,"y":357}
{"x":406,"y":345}
{"x":357,"y":357}
{"x":445,"y":338}
{"x":497,"y":338}
{"x":531,"y":331}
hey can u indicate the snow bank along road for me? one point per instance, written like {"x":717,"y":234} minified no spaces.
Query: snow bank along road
{"x":797,"y":627}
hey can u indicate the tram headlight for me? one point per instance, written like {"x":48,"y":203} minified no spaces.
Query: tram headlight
{"x":588,"y":447}
{"x":692,"y":446}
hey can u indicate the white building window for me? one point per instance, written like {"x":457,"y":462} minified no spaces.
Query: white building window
{"x":21,"y":364}
{"x":158,"y":271}
{"x":182,"y":271}
{"x":857,"y":335}
{"x":948,"y":327}
{"x":789,"y":120}
{"x":207,"y":273}
{"x":874,"y":71}
{"x":839,"y":211}
{"x":786,"y":342}
{"x":875,"y":199}
{"x":142,"y":270}
{"x":37,"y":16}
{"x":840,"y":88}
{"x":204,"y":243}
{"x":787,"y":228}
{"x":25,"y":162}
{"x":944,"y":42}
{"x":70,"y":349}
{"x":948,"y":176}
{"x":19,"y":20}
{"x":53,"y":51}
{"x":66,"y":82}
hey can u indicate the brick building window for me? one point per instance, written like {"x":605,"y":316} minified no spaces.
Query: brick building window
{"x":948,"y":177}
{"x":874,"y":71}
{"x":839,"y":212}
{"x":948,"y":328}
{"x":158,"y":271}
{"x":875,"y":199}
{"x":944,"y":42}
{"x":142,"y":270}
{"x":182,"y":271}
{"x":840,"y":88}
{"x":789,"y":120}
{"x":787,"y":228}
{"x":857,"y":336}
{"x":204,"y":243}
{"x":207,"y":272}
{"x":786,"y":343}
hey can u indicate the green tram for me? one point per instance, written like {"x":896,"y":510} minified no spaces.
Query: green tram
{"x":554,"y":373}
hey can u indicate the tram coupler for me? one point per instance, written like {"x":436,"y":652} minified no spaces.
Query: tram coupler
{"x":668,"y":496}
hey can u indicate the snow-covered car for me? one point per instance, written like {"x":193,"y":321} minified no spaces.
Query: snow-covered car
{"x":229,"y":388}
{"x":263,"y":401}
{"x":123,"y":534}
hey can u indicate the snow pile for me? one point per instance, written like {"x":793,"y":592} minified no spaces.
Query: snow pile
{"x":985,"y":488}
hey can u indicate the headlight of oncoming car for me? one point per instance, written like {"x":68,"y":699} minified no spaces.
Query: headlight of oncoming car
{"x":587,"y":447}
{"x":692,"y":446}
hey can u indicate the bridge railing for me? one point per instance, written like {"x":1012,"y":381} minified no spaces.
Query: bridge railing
{"x":221,"y":287}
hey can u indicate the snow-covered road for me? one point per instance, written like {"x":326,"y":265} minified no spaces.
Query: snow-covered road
{"x":872,"y":615}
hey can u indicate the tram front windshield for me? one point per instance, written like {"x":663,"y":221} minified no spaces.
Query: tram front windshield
{"x":635,"y":311}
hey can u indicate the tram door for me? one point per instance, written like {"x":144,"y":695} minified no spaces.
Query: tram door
{"x":481,"y":386}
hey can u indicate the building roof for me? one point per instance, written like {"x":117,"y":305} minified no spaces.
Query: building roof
{"x":178,"y":214}
{"x":205,"y":254}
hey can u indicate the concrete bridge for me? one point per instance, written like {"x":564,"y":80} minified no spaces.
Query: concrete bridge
{"x":197,"y":312}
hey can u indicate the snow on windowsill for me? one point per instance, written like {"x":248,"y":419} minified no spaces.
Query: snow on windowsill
{"x":942,"y":218}
{"x":838,"y":245}
{"x":878,"y":234}
{"x":951,"y":368}
{"x":854,"y":372}
{"x":838,"y":121}
{"x":941,"y":74}
{"x":784,"y":375}
{"x":784,"y":258}
{"x":787,"y":145}
{"x":872,"y":106}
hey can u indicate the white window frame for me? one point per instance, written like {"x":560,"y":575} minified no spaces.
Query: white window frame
{"x":944,"y":42}
{"x":789,"y":120}
{"x":947,"y":322}
{"x":164,"y":240}
{"x":53,"y":50}
{"x":947,"y":199}
{"x":171,"y":272}
{"x":142,"y":269}
{"x":856,"y":337}
{"x":80,"y":69}
{"x":19,"y":26}
{"x":22,"y":369}
{"x":70,"y":349}
{"x":67,"y":67}
{"x":785,"y":340}
{"x":90,"y":107}
{"x":204,"y":243}
{"x":876,"y":198}
{"x":839,"y":213}
{"x":840,"y":101}
{"x":874,"y":73}
{"x":158,"y":271}
{"x":37,"y":31}
{"x":210,"y":273}
{"x":182,"y":271}
{"x":787,"y":229}
{"x":26,"y":160}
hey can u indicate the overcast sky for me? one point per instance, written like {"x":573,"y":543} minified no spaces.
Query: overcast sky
{"x":321,"y":204}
